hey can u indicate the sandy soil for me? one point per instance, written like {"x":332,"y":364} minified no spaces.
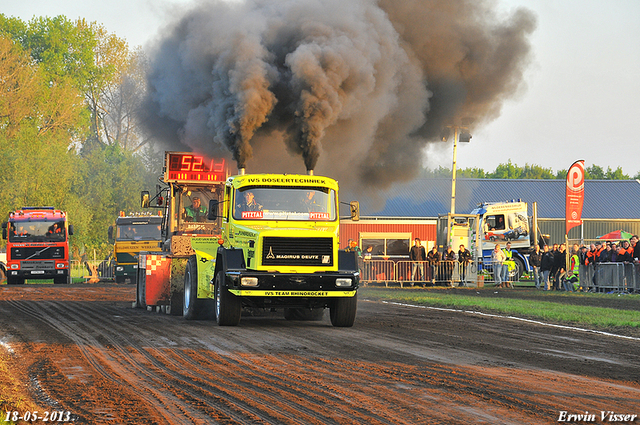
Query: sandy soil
{"x":85,"y":350}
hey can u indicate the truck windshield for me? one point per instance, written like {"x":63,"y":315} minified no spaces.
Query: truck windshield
{"x":285,"y":203}
{"x":37,"y":231}
{"x":138,"y":232}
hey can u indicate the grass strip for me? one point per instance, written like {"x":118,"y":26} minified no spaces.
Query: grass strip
{"x":529,"y":308}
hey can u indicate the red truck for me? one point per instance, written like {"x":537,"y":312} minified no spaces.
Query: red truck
{"x":37,"y":245}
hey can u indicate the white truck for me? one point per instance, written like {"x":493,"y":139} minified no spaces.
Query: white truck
{"x":493,"y":223}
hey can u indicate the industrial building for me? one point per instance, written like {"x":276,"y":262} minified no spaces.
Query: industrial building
{"x":411,"y":209}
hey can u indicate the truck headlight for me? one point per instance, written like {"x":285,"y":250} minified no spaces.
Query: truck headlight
{"x":60,"y":266}
{"x":119,"y":268}
{"x":343,"y":282}
{"x":249,"y":281}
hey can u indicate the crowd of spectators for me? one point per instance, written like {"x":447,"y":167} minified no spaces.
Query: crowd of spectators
{"x":549,"y":264}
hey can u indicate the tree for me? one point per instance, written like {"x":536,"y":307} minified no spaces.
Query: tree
{"x":507,"y":171}
{"x":536,"y":172}
{"x":476,"y":173}
{"x":594,"y":172}
{"x":616,"y":174}
{"x":38,"y":120}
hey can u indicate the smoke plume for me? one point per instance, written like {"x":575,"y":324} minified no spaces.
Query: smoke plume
{"x":353,"y":89}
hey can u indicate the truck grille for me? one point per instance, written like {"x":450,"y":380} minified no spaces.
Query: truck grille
{"x":37,"y":253}
{"x":277,"y":251}
{"x":37,"y":265}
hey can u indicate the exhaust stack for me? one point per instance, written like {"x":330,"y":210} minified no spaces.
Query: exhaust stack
{"x":241,"y":171}
{"x":310,"y":172}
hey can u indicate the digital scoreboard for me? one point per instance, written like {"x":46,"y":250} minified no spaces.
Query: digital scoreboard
{"x":188,"y":167}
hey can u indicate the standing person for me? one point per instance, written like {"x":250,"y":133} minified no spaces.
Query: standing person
{"x":352,"y":246}
{"x":433,"y":258}
{"x":464,"y":259}
{"x":534,"y":259}
{"x":508,"y":263}
{"x":546,"y":263}
{"x":627,"y":252}
{"x":418,"y":256}
{"x":560,"y":265}
{"x":608,"y":255}
{"x":449,"y":257}
{"x":636,"y":248}
{"x":573,"y":272}
{"x":497,"y":260}
{"x":552,"y":273}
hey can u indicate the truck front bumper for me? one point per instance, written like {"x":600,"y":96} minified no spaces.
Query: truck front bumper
{"x":291,"y":289}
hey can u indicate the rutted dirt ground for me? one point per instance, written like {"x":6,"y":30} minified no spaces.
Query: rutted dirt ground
{"x":84,"y":349}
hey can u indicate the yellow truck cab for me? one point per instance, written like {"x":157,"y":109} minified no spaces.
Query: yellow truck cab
{"x":279,"y":248}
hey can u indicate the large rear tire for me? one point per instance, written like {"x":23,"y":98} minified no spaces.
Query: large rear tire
{"x":228,"y":307}
{"x":343,"y":311}
{"x":191,"y":306}
{"x":141,"y":298}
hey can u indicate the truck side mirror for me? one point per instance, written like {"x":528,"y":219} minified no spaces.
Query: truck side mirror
{"x":4,"y":233}
{"x":145,"y":199}
{"x":213,"y":209}
{"x":70,"y":229}
{"x":355,"y":210}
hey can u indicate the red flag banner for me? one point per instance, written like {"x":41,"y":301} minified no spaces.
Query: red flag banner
{"x":574,"y":196}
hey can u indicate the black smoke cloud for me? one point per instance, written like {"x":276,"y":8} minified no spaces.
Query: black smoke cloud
{"x":353,"y":89}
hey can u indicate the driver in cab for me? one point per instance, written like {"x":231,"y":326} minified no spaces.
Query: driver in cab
{"x":196,"y":212}
{"x":249,"y":203}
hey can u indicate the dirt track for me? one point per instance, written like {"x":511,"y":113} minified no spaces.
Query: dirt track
{"x":84,"y":349}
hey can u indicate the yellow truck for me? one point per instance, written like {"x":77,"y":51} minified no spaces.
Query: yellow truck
{"x":279,"y":249}
{"x":133,"y":234}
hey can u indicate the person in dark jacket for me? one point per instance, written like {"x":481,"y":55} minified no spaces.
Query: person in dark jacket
{"x":464,"y":259}
{"x":607,"y":253}
{"x":624,"y":253}
{"x":560,"y":266}
{"x":433,"y":258}
{"x":546,"y":263}
{"x":553,"y":252}
{"x":636,"y":248}
{"x":534,"y":259}
{"x":418,"y":255}
{"x":615,"y":249}
{"x":448,"y":257}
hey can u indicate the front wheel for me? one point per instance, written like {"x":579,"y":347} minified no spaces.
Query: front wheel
{"x":228,"y":306}
{"x":519,"y":270}
{"x":343,"y":311}
{"x":15,"y":280}
{"x":61,"y":280}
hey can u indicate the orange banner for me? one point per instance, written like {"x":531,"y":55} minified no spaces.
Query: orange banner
{"x":574,"y":196}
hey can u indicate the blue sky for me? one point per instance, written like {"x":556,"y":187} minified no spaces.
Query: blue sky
{"x":582,"y":97}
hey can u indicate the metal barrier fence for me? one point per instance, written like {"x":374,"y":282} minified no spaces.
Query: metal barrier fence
{"x":601,"y":277}
{"x":610,"y":277}
{"x":102,"y":270}
{"x":447,"y":273}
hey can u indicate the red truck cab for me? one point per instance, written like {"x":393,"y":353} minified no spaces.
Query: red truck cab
{"x":37,"y":245}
